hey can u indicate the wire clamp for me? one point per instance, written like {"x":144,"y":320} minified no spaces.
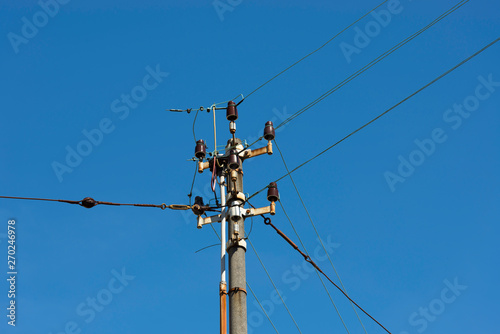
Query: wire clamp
{"x":236,"y":290}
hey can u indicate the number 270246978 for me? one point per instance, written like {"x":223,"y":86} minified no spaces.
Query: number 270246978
{"x":11,"y":249}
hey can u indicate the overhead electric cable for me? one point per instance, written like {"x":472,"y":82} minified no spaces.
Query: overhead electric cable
{"x":366,"y":67}
{"x":274,"y":285}
{"x":315,"y":230}
{"x":262,"y":307}
{"x":251,"y":228}
{"x":194,"y":122}
{"x":207,"y":247}
{"x":372,"y":63}
{"x":307,"y":258}
{"x":319,"y":276}
{"x":89,"y":202}
{"x":313,"y":52}
{"x":190,"y":195}
{"x":385,"y":112}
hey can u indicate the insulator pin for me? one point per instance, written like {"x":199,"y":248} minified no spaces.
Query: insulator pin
{"x":231,"y":111}
{"x":272,"y":192}
{"x":233,"y":160}
{"x":269,"y":132}
{"x":200,"y":150}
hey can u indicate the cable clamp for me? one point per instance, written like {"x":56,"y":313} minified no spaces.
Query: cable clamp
{"x":222,"y":289}
{"x":236,"y":290}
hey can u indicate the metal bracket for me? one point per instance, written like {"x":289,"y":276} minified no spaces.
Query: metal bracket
{"x":209,"y":220}
{"x":259,"y":151}
{"x":202,"y":166}
{"x":246,"y":213}
{"x":258,"y":211}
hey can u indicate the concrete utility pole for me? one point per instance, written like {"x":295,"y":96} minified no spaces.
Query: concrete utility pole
{"x":236,"y":250}
{"x":229,"y":168}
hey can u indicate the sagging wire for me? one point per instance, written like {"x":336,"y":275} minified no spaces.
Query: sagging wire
{"x":384,"y":113}
{"x":307,"y":258}
{"x":194,"y":122}
{"x":201,"y":249}
{"x":313,"y":52}
{"x":89,"y":202}
{"x":262,"y":307}
{"x":317,"y":273}
{"x":275,"y":288}
{"x":316,"y":231}
{"x":372,"y":63}
{"x":190,"y":195}
{"x":251,"y":228}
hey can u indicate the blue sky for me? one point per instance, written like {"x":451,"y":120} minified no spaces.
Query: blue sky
{"x":397,"y":245}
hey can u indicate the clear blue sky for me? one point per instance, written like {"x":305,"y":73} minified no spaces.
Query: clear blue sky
{"x":397,"y":248}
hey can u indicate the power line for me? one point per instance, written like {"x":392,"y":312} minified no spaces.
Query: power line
{"x":307,"y":258}
{"x":262,"y":307}
{"x":192,"y":183}
{"x":317,"y":273}
{"x":365,"y":68}
{"x":42,"y":199}
{"x":311,"y":53}
{"x":89,"y":202}
{"x":372,"y":63}
{"x":251,"y":228}
{"x":274,"y":285}
{"x":194,"y":122}
{"x":385,"y":112}
{"x":315,"y":230}
{"x":207,"y":247}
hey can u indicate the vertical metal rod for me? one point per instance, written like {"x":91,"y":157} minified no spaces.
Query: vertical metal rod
{"x":223,"y":229}
{"x":223,"y":308}
{"x":223,"y":285}
{"x":215,"y":132}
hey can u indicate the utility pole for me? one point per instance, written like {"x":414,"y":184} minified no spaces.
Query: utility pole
{"x":228,"y":167}
{"x":236,"y":250}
